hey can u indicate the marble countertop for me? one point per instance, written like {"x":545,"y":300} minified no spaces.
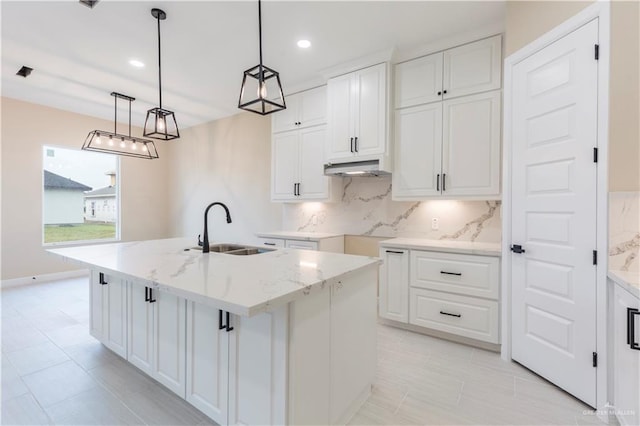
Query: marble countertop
{"x":242,"y":285}
{"x":294,"y":235}
{"x":629,"y":281}
{"x":446,"y":246}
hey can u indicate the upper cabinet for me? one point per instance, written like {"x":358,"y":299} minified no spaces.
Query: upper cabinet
{"x":358,"y":115}
{"x":304,"y":109}
{"x":464,"y":70}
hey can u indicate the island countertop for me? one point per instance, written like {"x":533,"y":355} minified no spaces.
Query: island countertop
{"x":243,"y":285}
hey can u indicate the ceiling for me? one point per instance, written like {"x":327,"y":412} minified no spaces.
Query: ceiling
{"x":80,"y":55}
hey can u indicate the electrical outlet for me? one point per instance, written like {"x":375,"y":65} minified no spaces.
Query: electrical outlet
{"x":435,"y":223}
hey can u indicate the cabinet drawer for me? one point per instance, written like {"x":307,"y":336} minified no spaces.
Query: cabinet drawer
{"x":469,"y":275}
{"x":464,"y":316}
{"x":305,"y":245}
{"x":272,"y":242}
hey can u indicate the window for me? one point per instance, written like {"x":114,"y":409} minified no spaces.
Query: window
{"x":80,"y":196}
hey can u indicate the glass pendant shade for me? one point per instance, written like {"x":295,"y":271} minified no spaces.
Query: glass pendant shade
{"x":115,"y":143}
{"x":261,"y":90}
{"x":160,"y":122}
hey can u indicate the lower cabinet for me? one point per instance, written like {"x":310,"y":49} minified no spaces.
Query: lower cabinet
{"x":108,"y":316}
{"x":626,"y":356}
{"x":449,"y":292}
{"x":331,"y":244}
{"x":157,"y":335}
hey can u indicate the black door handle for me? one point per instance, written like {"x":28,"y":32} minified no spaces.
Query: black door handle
{"x":439,"y":93}
{"x":269,"y":244}
{"x":151,"y":299}
{"x":352,"y":145}
{"x":438,"y":182}
{"x":101,"y":279}
{"x":395,"y":252}
{"x":294,"y":189}
{"x":451,"y":315}
{"x":220,"y":325}
{"x":631,"y":328}
{"x":444,"y":91}
{"x":517,"y":248}
{"x":228,"y":322}
{"x":146,"y":294}
{"x":355,"y":143}
{"x":459,"y":274}
{"x":298,"y":188}
{"x":444,"y":179}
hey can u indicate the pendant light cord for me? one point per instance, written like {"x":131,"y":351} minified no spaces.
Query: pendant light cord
{"x":260,"y":36}
{"x":129,"y":117}
{"x":115,"y":114}
{"x":159,"y":65}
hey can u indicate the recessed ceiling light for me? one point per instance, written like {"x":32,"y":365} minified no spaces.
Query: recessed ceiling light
{"x":136,"y":63}
{"x":304,"y":44}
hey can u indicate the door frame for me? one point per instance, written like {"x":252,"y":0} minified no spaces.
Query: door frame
{"x":600,"y":9}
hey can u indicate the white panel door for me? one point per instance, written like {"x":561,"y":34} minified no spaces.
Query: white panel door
{"x":169,"y":340}
{"x":302,"y":245}
{"x":96,"y":305}
{"x":207,"y":361}
{"x":341,"y":110}
{"x":418,"y":151}
{"x":313,"y":183}
{"x":471,"y":145}
{"x":394,"y":285}
{"x":284,"y":168}
{"x":554,"y":212}
{"x":370,"y":123}
{"x":140,"y":329}
{"x":115,"y":320}
{"x":473,"y":68}
{"x":419,"y":81}
{"x":312,"y":107}
{"x":287,"y":118}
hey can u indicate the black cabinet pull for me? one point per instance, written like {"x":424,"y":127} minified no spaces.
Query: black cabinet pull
{"x":298,"y":188}
{"x":146,"y":294}
{"x":101,"y":279}
{"x":439,"y":93}
{"x":396,"y":252}
{"x":631,"y":328}
{"x":444,"y":91}
{"x":269,"y":244}
{"x":352,"y":145}
{"x":517,"y":248}
{"x":151,"y":299}
{"x":438,"y":182}
{"x":444,"y":178}
{"x":228,"y":323}
{"x":451,"y":315}
{"x":458,"y":274}
{"x":294,"y":189}
{"x":355,"y":143}
{"x":220,"y":325}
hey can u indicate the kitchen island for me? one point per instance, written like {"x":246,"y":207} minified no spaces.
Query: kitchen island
{"x":280,"y":337}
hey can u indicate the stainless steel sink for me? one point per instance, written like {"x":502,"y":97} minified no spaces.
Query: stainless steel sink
{"x":234,"y":249}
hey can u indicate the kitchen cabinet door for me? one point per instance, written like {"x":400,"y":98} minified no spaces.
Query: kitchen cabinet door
{"x":418,"y":151}
{"x":341,"y":103}
{"x":394,"y":284}
{"x":473,"y":68}
{"x":96,"y":310}
{"x":140,"y":328}
{"x":207,"y":361}
{"x":258,"y":368}
{"x":304,"y":109}
{"x":371,"y":110}
{"x":115,"y":319}
{"x":169,"y":340}
{"x":284,"y":168}
{"x":626,"y":362}
{"x":419,"y":81}
{"x":471,"y":146}
{"x":304,"y":245}
{"x":313,"y":184}
{"x":286,"y":119}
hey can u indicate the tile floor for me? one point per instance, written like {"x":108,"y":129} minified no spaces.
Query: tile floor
{"x":53,"y":372}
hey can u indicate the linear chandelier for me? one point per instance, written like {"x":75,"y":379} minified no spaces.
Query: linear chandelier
{"x":115,"y":143}
{"x":261,"y":80}
{"x":160,"y":123}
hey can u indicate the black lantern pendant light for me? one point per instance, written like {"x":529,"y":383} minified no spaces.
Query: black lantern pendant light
{"x":261,"y":90}
{"x":160,"y":123}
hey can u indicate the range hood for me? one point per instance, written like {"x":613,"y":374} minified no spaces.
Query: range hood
{"x":355,"y":168}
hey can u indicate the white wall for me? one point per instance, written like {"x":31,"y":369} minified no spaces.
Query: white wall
{"x":227,"y":160}
{"x":26,"y":127}
{"x":63,"y":206}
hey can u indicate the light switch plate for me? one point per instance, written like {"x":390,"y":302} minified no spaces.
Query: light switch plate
{"x":435,"y":223}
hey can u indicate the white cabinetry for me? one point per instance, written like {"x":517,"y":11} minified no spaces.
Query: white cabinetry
{"x":108,"y":316}
{"x":157,"y":323}
{"x":471,"y":68}
{"x":448,"y":292}
{"x":626,"y":356}
{"x":358,"y":115}
{"x":304,"y":109}
{"x":333,"y":244}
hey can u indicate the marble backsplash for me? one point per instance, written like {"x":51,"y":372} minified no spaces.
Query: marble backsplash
{"x":365,"y":208}
{"x":624,"y":231}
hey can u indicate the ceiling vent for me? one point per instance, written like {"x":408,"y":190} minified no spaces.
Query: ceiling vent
{"x":89,"y":3}
{"x":24,"y":71}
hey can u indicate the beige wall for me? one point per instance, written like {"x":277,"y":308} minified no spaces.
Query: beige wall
{"x":26,"y":128}
{"x":528,"y":20}
{"x":227,"y":160}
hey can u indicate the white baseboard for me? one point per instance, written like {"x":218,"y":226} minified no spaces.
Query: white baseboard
{"x":43,"y":278}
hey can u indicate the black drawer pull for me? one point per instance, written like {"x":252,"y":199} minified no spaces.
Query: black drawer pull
{"x":228,"y":324}
{"x":269,"y":244}
{"x":451,"y":315}
{"x":220,"y":325}
{"x":631,"y":328}
{"x":146,"y":294}
{"x":101,"y":279}
{"x":151,"y":299}
{"x":458,"y":274}
{"x":395,"y":252}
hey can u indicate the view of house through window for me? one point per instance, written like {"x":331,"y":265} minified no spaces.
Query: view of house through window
{"x":80,"y":195}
